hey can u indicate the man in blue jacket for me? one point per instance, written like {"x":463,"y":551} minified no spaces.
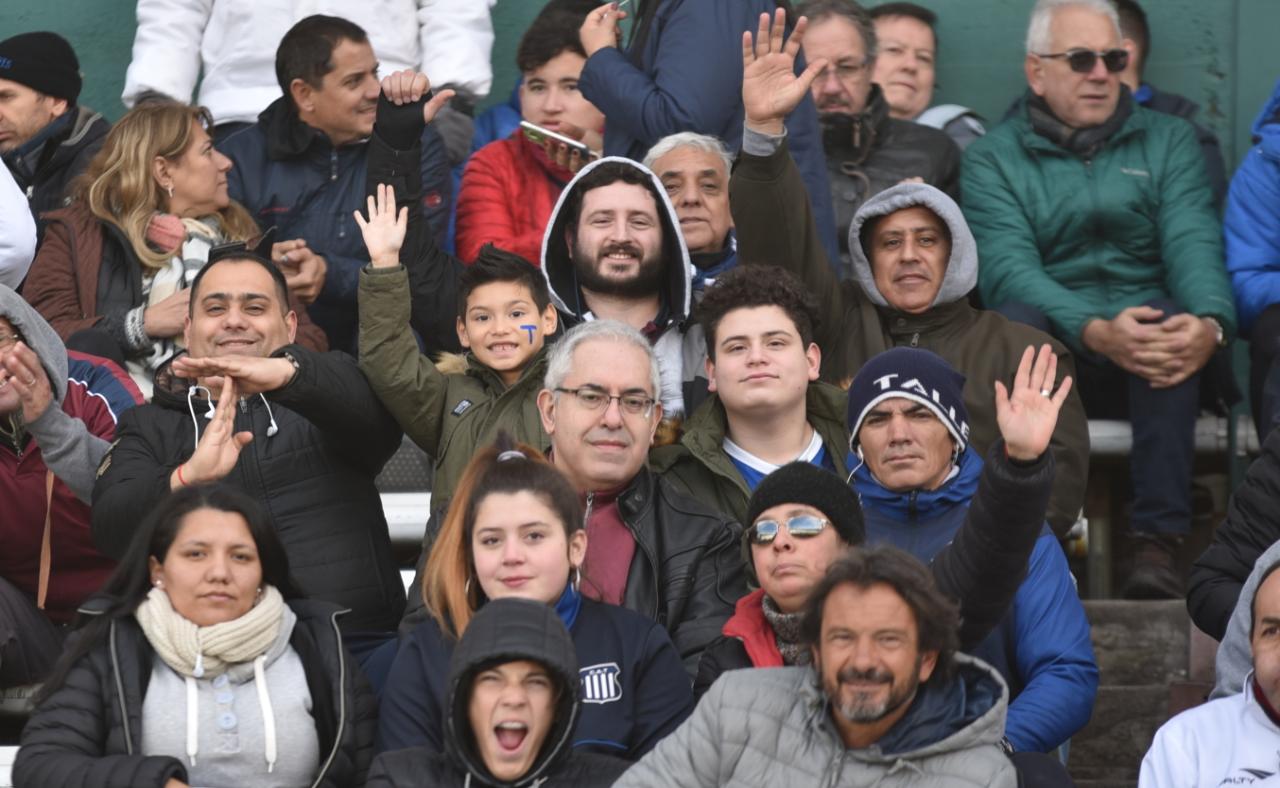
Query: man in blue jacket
{"x":682,"y":72}
{"x":916,"y":476}
{"x":301,"y":168}
{"x":1251,"y":230}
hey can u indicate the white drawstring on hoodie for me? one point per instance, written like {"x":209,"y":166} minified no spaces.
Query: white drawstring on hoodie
{"x":264,"y":703}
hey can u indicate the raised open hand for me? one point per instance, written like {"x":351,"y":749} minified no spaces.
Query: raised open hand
{"x":770,"y":87}
{"x":20,"y":368}
{"x":1027,"y":415}
{"x":384,"y":231}
{"x":219,"y":447}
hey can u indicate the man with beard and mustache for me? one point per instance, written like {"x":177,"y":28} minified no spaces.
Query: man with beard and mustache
{"x":301,"y":169}
{"x":614,"y":251}
{"x":867,"y":150}
{"x":887,"y":699}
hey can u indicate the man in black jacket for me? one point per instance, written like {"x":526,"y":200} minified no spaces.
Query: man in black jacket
{"x":649,"y":547}
{"x":45,"y":138}
{"x":867,"y":150}
{"x":300,"y":431}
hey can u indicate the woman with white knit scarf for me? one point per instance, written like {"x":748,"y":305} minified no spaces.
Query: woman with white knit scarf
{"x":200,"y":667}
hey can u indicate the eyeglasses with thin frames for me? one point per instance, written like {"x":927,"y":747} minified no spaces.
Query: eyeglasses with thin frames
{"x":593,"y":398}
{"x":844,"y":73}
{"x":1082,"y":61}
{"x":802,"y":526}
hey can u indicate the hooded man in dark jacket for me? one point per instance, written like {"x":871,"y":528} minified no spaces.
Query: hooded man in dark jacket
{"x":300,"y":431}
{"x":867,"y":150}
{"x":513,"y":703}
{"x":46,"y":140}
{"x":914,"y":263}
{"x":301,"y":169}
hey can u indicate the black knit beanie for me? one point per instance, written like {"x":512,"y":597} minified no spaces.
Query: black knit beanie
{"x":806,"y":483}
{"x":915,"y":374}
{"x":42,"y":61}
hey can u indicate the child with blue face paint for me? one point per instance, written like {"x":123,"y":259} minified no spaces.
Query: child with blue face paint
{"x":455,"y":406}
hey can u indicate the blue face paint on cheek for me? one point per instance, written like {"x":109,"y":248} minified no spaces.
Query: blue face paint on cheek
{"x":531,"y":330}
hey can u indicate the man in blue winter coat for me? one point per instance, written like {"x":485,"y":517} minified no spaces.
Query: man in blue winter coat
{"x":916,"y":476}
{"x":301,"y":169}
{"x":682,"y":71}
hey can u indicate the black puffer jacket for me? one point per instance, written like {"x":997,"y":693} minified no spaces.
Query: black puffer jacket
{"x":1252,"y":525}
{"x":46,"y":172}
{"x":871,"y":151}
{"x":504,"y":630}
{"x":88,"y":733}
{"x":315,"y":477}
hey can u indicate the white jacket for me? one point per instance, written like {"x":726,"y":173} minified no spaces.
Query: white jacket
{"x":235,"y":41}
{"x":1229,"y":741}
{"x":17,"y":231}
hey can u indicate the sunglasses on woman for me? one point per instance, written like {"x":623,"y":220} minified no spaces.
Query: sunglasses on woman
{"x":1082,"y":61}
{"x":802,"y":526}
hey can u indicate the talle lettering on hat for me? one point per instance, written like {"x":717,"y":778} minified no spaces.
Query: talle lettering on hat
{"x":885,"y":383}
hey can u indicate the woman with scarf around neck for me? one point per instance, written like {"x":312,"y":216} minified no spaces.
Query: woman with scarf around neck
{"x":113,"y":273}
{"x":515,"y":529}
{"x":199,"y":665}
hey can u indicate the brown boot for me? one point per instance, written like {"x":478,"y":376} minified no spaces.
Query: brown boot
{"x":1154,"y":574}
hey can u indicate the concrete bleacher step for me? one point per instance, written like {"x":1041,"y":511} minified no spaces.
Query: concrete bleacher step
{"x":1147,"y":656}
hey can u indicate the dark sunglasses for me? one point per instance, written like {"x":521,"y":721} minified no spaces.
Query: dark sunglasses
{"x":802,"y":526}
{"x":1082,"y":61}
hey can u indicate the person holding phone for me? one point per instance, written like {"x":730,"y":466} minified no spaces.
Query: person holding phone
{"x":510,"y":186}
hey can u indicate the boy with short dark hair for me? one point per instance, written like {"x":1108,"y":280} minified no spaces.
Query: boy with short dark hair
{"x":452,"y":408}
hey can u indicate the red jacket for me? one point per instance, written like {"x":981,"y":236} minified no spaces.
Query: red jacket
{"x":508,"y":191}
{"x":749,"y":625}
{"x":96,"y":391}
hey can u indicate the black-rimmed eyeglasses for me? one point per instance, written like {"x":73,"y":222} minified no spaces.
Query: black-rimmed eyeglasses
{"x":1082,"y":61}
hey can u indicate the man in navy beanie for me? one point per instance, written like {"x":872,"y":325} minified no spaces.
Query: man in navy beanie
{"x":46,"y":140}
{"x":922,"y":485}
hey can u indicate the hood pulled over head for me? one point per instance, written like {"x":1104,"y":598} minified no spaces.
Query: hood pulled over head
{"x":39,"y":336}
{"x":507,"y":630}
{"x":962,"y":267}
{"x":557,"y":262}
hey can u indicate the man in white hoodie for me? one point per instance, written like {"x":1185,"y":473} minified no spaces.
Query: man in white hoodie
{"x":1233,"y":740}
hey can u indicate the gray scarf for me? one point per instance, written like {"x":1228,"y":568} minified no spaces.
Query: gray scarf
{"x":786,"y":631}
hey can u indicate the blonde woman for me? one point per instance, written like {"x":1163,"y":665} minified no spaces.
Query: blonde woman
{"x":113,"y":272}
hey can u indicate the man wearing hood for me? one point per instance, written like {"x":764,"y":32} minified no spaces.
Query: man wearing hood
{"x":46,"y":139}
{"x":918,"y":478}
{"x":614,"y":251}
{"x":514,"y":697}
{"x":307,"y":440}
{"x":58,"y":413}
{"x":867,"y":149}
{"x":1251,"y":230}
{"x":887,"y":699}
{"x":1096,"y":223}
{"x":915,"y":262}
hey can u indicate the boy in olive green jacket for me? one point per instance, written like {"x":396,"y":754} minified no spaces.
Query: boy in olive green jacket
{"x":453,"y":408}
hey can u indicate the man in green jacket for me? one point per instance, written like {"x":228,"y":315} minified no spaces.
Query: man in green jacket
{"x":914,"y":262}
{"x":767,"y":407}
{"x":1095,"y":222}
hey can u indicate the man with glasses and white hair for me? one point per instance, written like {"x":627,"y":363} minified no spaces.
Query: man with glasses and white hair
{"x":1095,"y":222}
{"x":694,"y":171}
{"x":649,"y":548}
{"x":867,"y":149}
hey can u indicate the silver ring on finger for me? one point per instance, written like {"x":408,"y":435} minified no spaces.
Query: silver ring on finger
{"x":1046,"y":393}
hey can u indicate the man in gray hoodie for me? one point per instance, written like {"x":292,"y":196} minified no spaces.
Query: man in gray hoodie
{"x":57,"y":417}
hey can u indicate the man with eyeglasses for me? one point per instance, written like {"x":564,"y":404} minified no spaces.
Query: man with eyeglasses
{"x":1095,"y":222}
{"x":867,"y":149}
{"x":649,"y":548}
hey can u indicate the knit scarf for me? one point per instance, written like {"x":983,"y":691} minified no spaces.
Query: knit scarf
{"x":201,"y":652}
{"x":1082,"y":142}
{"x":786,"y":631}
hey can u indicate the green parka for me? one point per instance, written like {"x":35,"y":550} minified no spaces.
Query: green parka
{"x":450,"y":415}
{"x":699,"y":467}
{"x":1080,"y":238}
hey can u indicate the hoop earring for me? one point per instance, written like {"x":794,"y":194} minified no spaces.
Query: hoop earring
{"x":577,"y":580}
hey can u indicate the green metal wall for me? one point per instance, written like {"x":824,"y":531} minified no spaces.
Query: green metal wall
{"x":1221,"y":53}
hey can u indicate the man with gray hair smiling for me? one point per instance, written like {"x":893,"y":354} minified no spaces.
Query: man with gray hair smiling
{"x":694,"y":170}
{"x":649,"y":548}
{"x":1095,"y":222}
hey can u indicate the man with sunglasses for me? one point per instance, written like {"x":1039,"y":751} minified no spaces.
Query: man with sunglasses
{"x":1095,"y":222}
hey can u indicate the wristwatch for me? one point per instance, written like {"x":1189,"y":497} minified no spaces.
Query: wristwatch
{"x":1222,"y":335}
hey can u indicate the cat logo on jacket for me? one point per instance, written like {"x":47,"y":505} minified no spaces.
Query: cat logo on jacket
{"x":600,"y":683}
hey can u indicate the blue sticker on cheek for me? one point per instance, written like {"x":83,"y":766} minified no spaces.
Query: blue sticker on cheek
{"x":531,"y":330}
